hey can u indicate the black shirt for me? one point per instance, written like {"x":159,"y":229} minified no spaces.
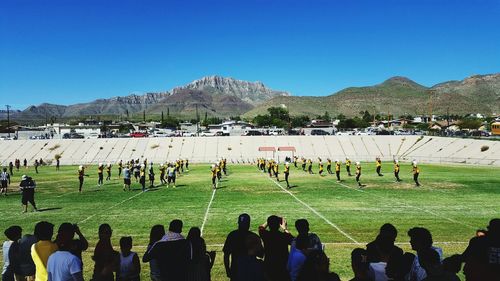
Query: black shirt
{"x":172,"y":257}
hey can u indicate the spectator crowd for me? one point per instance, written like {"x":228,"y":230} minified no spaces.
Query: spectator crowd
{"x":271,"y":254}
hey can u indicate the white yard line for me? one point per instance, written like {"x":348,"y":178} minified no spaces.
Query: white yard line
{"x":316,"y":213}
{"x":112,"y":207}
{"x":206,"y":212}
{"x":409,"y":206}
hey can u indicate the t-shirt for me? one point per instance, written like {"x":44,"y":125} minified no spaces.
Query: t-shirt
{"x":417,"y":272}
{"x":172,"y":257}
{"x":5,"y":250}
{"x":62,"y":265}
{"x":482,"y":256}
{"x":235,"y":246}
{"x":275,"y":246}
{"x":40,"y":253}
{"x":26,"y":265}
{"x":296,"y":260}
{"x":126,"y":173}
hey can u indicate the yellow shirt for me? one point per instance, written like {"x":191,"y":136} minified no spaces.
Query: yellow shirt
{"x":396,"y":167}
{"x":379,"y":163}
{"x":40,"y":253}
{"x":337,"y":167}
{"x":287,"y":168}
{"x":358,"y":170}
{"x":416,"y":170}
{"x":348,"y":163}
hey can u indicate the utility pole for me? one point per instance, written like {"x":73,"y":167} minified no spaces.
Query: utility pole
{"x":197,"y":121}
{"x":431,"y":93}
{"x":8,"y":120}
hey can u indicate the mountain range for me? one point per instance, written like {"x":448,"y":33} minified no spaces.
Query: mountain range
{"x":224,"y":97}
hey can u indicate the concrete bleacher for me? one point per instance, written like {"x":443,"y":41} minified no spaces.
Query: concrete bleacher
{"x":245,"y":149}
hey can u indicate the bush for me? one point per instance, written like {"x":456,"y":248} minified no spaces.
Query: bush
{"x":484,"y":148}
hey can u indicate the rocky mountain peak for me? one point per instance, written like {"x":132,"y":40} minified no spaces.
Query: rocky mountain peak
{"x":403,"y":81}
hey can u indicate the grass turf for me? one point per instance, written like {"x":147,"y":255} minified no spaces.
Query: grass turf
{"x":453,"y":202}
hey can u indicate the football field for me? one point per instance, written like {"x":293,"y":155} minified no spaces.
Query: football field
{"x":453,"y":202}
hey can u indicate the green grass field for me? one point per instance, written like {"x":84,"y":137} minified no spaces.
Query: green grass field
{"x":453,"y":202}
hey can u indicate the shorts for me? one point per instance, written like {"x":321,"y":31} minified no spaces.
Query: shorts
{"x":126,"y":181}
{"x":4,"y":184}
{"x":28,"y":196}
{"x":170,"y":179}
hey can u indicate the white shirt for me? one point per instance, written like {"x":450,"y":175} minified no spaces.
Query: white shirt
{"x":62,"y":265}
{"x":5,"y":250}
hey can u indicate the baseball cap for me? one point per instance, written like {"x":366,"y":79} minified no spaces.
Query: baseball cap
{"x":244,"y":219}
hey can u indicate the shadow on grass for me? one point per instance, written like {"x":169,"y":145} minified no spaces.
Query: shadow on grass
{"x":49,"y":209}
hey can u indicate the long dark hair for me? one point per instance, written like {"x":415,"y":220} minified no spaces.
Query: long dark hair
{"x":198,"y":246}
{"x":157,"y":232}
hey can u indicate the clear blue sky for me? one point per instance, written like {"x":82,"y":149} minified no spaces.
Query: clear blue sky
{"x":68,"y":51}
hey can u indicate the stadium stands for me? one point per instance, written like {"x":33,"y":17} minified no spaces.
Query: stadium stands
{"x":244,"y":149}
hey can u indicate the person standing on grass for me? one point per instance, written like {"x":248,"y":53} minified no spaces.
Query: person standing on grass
{"x":156,"y":234}
{"x":126,"y":178}
{"x":348,"y":166}
{"x":310,"y":166}
{"x":320,"y":166}
{"x":107,"y":260}
{"x":81,"y":176}
{"x":130,"y":267}
{"x":120,"y":168}
{"x":213,"y":170}
{"x":170,"y":175}
{"x":151,"y":174}
{"x":200,"y":261}
{"x":100,"y":171}
{"x":416,"y":172}
{"x":58,"y":162}
{"x":378,"y":164}
{"x":4,"y":182}
{"x":187,"y":165}
{"x":25,"y":163}
{"x":276,"y":166}
{"x":27,"y":187}
{"x":276,"y":241}
{"x":396,"y":170}
{"x":10,"y":250}
{"x":36,"y":166}
{"x":11,"y":168}
{"x":329,"y":166}
{"x":236,"y":250}
{"x":337,"y":169}
{"x":41,"y":250}
{"x":287,"y":173}
{"x":108,"y":172}
{"x":172,"y":253}
{"x":62,"y":264}
{"x":142,"y":177}
{"x":162,"y":174}
{"x":17,"y":162}
{"x":358,"y":173}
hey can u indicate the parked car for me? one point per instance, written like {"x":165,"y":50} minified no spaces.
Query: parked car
{"x":253,"y":133}
{"x":207,"y":134}
{"x":317,"y":132}
{"x":138,"y":135}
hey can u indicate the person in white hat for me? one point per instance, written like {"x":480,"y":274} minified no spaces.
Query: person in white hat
{"x":170,"y":175}
{"x":337,"y":169}
{"x":378,"y":164}
{"x":151,"y":175}
{"x":162,"y":174}
{"x":396,"y":170}
{"x":213,"y":170}
{"x":81,"y":176}
{"x":358,"y":173}
{"x":27,"y":187}
{"x":416,"y":172}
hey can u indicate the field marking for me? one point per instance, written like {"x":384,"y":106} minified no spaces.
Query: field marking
{"x":206,"y":212}
{"x":316,"y":212}
{"x":112,"y":207}
{"x":407,"y":205}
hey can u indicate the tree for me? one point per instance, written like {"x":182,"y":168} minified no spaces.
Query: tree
{"x":170,"y":122}
{"x":470,"y":123}
{"x":299,"y":121}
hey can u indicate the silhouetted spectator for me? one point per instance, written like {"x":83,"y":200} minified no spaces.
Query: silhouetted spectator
{"x":27,"y":187}
{"x":41,"y":250}
{"x":235,"y":247}
{"x":250,"y":267}
{"x":156,"y":234}
{"x":26,"y":265}
{"x":482,"y":256}
{"x":399,"y":266}
{"x":10,"y":250}
{"x":383,"y":246}
{"x":431,"y":262}
{"x":317,"y":268}
{"x":130,"y":267}
{"x":360,"y":265}
{"x":420,"y":240}
{"x":62,"y":264}
{"x":275,"y":248}
{"x":297,"y":257}
{"x":302,"y":226}
{"x":105,"y":257}
{"x":200,"y":262}
{"x":453,"y":264}
{"x":172,"y":253}
{"x":77,"y":245}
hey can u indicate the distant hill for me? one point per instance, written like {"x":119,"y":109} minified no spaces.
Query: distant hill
{"x":219,"y":96}
{"x":398,"y":96}
{"x":224,"y":97}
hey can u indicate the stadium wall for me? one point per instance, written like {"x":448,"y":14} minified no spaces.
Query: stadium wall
{"x":245,"y":149}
